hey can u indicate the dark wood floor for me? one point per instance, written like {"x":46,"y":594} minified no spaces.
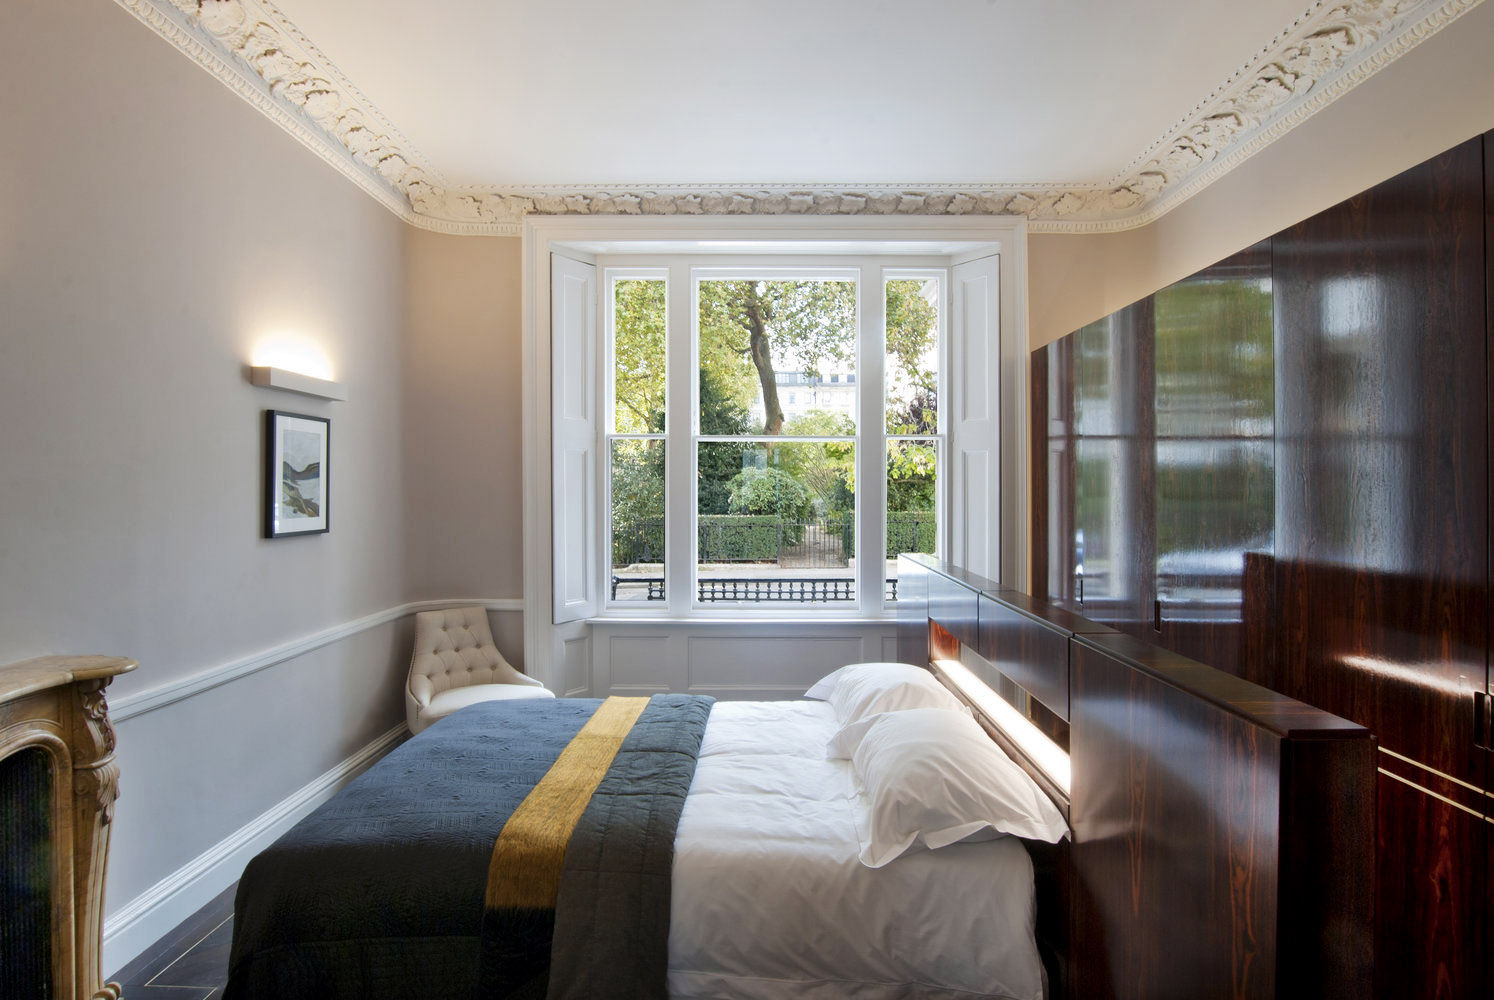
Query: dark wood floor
{"x":190,"y":963}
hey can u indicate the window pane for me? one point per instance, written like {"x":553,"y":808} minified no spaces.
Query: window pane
{"x":776,"y":523}
{"x":638,"y":356}
{"x":637,"y":521}
{"x":912,"y":480}
{"x":762,"y":342}
{"x":913,"y":355}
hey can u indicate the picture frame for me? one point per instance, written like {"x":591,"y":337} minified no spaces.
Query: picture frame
{"x":298,"y":451}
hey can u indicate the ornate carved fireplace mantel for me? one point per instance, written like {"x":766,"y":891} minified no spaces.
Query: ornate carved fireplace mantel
{"x":58,"y":783}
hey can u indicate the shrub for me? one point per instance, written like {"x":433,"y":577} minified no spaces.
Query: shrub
{"x":910,"y":531}
{"x":740,"y":537}
{"x":770,"y":491}
{"x":775,"y":493}
{"x":907,"y":531}
{"x":723,"y":538}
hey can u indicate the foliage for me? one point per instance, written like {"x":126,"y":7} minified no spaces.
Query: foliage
{"x":751,"y":328}
{"x":912,"y":340}
{"x":918,"y":415}
{"x":911,"y":470}
{"x":638,"y":356}
{"x":820,"y":423}
{"x":771,"y":491}
{"x":637,"y":494}
{"x":721,"y":408}
{"x":910,"y":531}
{"x":740,"y":538}
{"x":907,"y":531}
{"x":640,"y":541}
{"x":827,"y":468}
{"x":719,"y":461}
{"x":722,"y":538}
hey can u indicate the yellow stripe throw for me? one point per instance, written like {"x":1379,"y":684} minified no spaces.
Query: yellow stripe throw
{"x":524,"y":872}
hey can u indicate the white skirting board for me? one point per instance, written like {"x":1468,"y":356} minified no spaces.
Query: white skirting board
{"x":150,"y":915}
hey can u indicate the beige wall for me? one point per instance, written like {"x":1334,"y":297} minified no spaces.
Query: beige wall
{"x":1430,"y":100}
{"x":153,"y":228}
{"x":463,"y":446}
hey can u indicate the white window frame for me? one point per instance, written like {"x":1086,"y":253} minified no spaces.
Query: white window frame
{"x":871,"y":274}
{"x":952,"y":240}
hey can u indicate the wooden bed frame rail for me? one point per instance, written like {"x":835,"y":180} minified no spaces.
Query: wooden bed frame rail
{"x":1223,"y":834}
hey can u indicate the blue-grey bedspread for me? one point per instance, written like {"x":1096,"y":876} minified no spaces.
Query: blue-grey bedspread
{"x":380,"y":892}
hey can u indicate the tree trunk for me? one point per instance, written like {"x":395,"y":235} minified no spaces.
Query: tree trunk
{"x":762,"y":360}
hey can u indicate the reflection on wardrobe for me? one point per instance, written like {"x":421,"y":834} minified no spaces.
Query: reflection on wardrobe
{"x":1280,"y":466}
{"x":1159,"y":459}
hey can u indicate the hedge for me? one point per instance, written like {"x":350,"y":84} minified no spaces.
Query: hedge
{"x":742,"y":537}
{"x":722,"y":538}
{"x":910,"y":531}
{"x":907,"y":531}
{"x":756,"y":537}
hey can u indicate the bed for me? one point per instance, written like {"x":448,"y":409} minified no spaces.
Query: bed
{"x":379,"y":893}
{"x":1219,"y":843}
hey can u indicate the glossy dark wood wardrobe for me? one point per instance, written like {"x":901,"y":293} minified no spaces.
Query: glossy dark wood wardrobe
{"x":1281,"y":466}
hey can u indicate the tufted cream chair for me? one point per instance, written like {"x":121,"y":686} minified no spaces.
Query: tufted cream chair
{"x":456,"y":664}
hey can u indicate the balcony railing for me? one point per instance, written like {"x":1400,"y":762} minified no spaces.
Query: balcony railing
{"x":754,"y":590}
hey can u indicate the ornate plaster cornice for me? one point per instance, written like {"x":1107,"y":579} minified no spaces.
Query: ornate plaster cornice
{"x":1322,"y":55}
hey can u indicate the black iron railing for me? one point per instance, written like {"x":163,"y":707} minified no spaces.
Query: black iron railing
{"x":755,"y":590}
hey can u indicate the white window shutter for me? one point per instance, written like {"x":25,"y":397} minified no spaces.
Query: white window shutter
{"x":573,"y":428}
{"x":975,"y":441}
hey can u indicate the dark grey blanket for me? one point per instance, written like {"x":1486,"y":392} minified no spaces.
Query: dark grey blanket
{"x":379,"y":893}
{"x":612,"y":917}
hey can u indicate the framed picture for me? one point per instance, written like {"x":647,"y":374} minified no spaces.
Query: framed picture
{"x":297,"y":449}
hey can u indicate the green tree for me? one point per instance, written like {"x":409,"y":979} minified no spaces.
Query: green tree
{"x":637,"y":501}
{"x":912,"y":336}
{"x":911,"y":468}
{"x":752,"y":327}
{"x":828,"y":468}
{"x":638,"y":355}
{"x":721,"y":412}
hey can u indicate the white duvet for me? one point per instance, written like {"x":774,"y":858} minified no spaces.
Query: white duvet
{"x":770,"y":901}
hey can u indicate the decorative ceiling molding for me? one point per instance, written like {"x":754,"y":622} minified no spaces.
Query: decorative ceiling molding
{"x":1326,"y":52}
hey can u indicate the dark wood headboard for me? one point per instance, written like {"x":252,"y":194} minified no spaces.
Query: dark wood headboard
{"x":1221,"y":831}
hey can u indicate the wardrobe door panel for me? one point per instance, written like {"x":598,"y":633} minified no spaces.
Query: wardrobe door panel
{"x":1382,"y":530}
{"x":1215,"y":461}
{"x":1055,"y":556}
{"x":1432,"y":903}
{"x":1113,"y":426}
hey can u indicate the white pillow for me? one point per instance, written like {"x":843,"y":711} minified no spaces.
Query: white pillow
{"x":862,"y":690}
{"x":934,"y":777}
{"x":823,"y":686}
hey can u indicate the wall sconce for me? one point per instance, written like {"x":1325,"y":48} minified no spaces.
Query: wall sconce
{"x":308,"y":385}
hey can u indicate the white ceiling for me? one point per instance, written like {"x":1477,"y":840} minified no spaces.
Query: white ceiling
{"x":504,"y":93}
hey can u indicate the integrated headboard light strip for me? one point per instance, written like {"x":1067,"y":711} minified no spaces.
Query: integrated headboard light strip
{"x":1043,"y":752}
